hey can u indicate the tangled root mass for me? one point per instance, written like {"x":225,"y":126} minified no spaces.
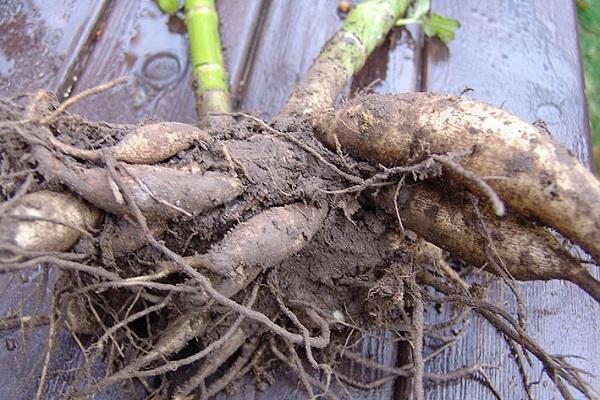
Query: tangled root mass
{"x":234,"y":250}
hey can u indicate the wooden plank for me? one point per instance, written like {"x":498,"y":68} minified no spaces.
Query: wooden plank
{"x":41,"y":44}
{"x":522,"y":56}
{"x":291,"y":37}
{"x":239,"y":25}
{"x":151,"y":48}
{"x":395,"y":67}
{"x":41,"y":41}
{"x":281,"y":60}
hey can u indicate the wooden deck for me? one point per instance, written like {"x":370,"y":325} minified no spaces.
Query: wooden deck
{"x":520,"y":55}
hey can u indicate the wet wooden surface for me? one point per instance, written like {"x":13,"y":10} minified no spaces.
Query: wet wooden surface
{"x":42,"y":43}
{"x":524,"y":57}
{"x":149,"y":47}
{"x":42,"y":46}
{"x":521,"y":55}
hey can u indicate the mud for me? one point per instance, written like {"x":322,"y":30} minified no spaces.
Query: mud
{"x":344,"y":263}
{"x":341,"y":272}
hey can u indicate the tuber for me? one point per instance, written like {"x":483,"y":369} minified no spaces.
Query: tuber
{"x":47,"y":221}
{"x":145,"y":144}
{"x":450,"y":221}
{"x":264,"y":240}
{"x":149,"y":144}
{"x":159,"y":191}
{"x":532,"y":174}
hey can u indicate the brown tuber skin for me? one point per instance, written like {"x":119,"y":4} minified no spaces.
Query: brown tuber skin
{"x":192,"y":194}
{"x":450,"y":221}
{"x":145,"y":144}
{"x":532,"y":174}
{"x":149,"y":144}
{"x":47,"y":221}
{"x":264,"y":240}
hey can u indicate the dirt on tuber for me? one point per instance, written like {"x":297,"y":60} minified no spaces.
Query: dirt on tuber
{"x":536,"y":177}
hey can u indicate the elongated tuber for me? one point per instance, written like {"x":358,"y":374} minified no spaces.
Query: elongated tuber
{"x":47,"y":221}
{"x":450,"y":221}
{"x":149,"y":144}
{"x":152,"y":187}
{"x":145,"y":144}
{"x":264,"y":240}
{"x":533,"y":175}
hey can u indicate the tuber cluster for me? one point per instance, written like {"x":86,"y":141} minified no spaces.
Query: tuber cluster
{"x":190,"y":258}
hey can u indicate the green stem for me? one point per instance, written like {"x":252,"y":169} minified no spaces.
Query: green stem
{"x":210,"y":76}
{"x":365,"y":28}
{"x":168,"y":6}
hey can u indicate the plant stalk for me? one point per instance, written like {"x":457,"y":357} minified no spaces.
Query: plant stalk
{"x":168,"y":6}
{"x":209,"y":72}
{"x":364,"y":29}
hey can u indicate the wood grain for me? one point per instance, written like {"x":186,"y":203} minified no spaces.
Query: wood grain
{"x":395,"y":67}
{"x":149,"y":47}
{"x":291,"y":36}
{"x":41,"y":42}
{"x":522,"y":56}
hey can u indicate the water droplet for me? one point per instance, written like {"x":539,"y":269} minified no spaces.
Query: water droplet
{"x":548,"y":112}
{"x":161,"y":69}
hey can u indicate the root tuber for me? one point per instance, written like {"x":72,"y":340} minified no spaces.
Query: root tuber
{"x":149,"y":144}
{"x":160,"y":191}
{"x":532,"y":174}
{"x":145,"y":144}
{"x":450,"y":221}
{"x":264,"y":240}
{"x":47,"y":221}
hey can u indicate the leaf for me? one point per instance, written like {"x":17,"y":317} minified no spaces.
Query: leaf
{"x":419,"y":9}
{"x":434,"y":25}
